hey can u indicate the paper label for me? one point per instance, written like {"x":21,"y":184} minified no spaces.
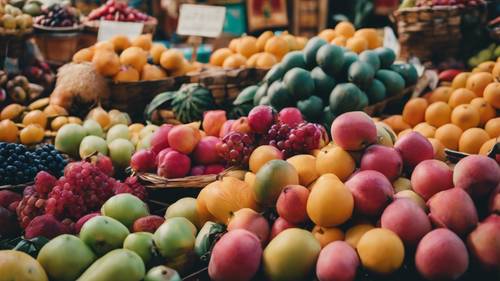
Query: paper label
{"x":390,"y":40}
{"x":201,"y":20}
{"x":108,"y":29}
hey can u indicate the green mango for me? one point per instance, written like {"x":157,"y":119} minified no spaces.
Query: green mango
{"x":119,"y":264}
{"x":126,"y":208}
{"x":142,"y":244}
{"x":175,"y":237}
{"x":103,"y":234}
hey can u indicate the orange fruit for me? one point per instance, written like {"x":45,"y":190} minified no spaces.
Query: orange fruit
{"x":217,"y":58}
{"x":486,"y":111}
{"x":496,"y":70}
{"x":381,"y":251}
{"x":345,"y":29}
{"x":425,"y":130}
{"x":305,"y":165}
{"x":106,"y":63}
{"x":276,"y":46}
{"x":233,"y":45}
{"x":472,"y":139}
{"x":58,"y":122}
{"x":120,"y":42}
{"x":335,"y":161}
{"x":252,"y":61}
{"x":442,"y":93}
{"x":438,"y":114}
{"x":134,"y":56}
{"x":55,"y":110}
{"x":143,"y":41}
{"x":301,"y":42}
{"x":486,"y":66}
{"x":35,"y":117}
{"x":234,"y":61}
{"x":487,"y":146}
{"x":357,"y":44}
{"x":261,"y":155}
{"x":291,"y":41}
{"x":104,"y":46}
{"x":326,"y":235}
{"x":327,"y":34}
{"x":31,"y":134}
{"x":460,"y":80}
{"x":82,"y":55}
{"x":477,"y":82}
{"x":449,"y":135}
{"x":371,"y":36}
{"x":492,"y":94}
{"x":156,"y":51}
{"x":404,"y":132}
{"x":262,"y":39}
{"x":172,"y":59}
{"x":339,"y":41}
{"x":465,"y":116}
{"x":8,"y":131}
{"x":75,"y":120}
{"x":247,"y":46}
{"x":152,"y":72}
{"x":461,"y":96}
{"x":492,"y":127}
{"x":266,"y":61}
{"x":396,"y":123}
{"x":438,"y":148}
{"x":414,"y":111}
{"x":127,"y":74}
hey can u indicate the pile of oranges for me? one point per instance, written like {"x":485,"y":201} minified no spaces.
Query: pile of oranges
{"x":462,"y":116}
{"x":345,"y":34}
{"x":262,"y":52}
{"x":127,"y":60}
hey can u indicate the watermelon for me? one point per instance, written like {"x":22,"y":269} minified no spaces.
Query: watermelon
{"x":191,"y":101}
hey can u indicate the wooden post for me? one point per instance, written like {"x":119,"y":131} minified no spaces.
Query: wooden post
{"x":195,"y":42}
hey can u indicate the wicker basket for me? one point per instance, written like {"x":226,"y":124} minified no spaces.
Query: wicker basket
{"x":434,"y":32}
{"x":58,"y":47}
{"x":379,"y":107}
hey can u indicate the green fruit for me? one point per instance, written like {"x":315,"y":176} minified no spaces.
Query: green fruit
{"x":65,"y":257}
{"x":120,"y":151}
{"x":261,"y":92}
{"x":291,"y":255}
{"x":349,"y":58}
{"x":293,"y":59}
{"x":118,"y":131}
{"x":271,"y":179}
{"x":246,"y":95}
{"x":311,"y":108}
{"x":93,"y":128}
{"x":190,"y":102}
{"x":363,"y":100}
{"x":376,"y":91}
{"x":91,"y":145}
{"x":144,"y":143}
{"x":186,"y":208}
{"x":361,"y":74}
{"x":393,"y":82}
{"x":120,"y":264}
{"x":162,"y":273}
{"x":327,"y":118}
{"x":323,"y":83}
{"x":371,"y":57}
{"x":330,"y":58}
{"x":202,"y":243}
{"x":386,"y":56}
{"x":175,"y":237}
{"x":103,"y":234}
{"x":68,"y":139}
{"x":32,"y":9}
{"x":264,"y":101}
{"x":275,"y":73}
{"x":279,"y":96}
{"x":311,"y":49}
{"x":407,"y":71}
{"x":344,"y":98}
{"x":299,"y":83}
{"x":125,"y":208}
{"x":496,"y":52}
{"x":142,"y":244}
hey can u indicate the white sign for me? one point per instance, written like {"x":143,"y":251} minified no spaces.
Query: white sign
{"x":390,"y":40}
{"x":201,"y":20}
{"x":108,"y":29}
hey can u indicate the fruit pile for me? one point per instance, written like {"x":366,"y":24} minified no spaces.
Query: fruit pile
{"x":117,"y":11}
{"x":340,"y":80}
{"x":345,"y":35}
{"x":462,"y":116}
{"x":431,"y":3}
{"x":14,"y":18}
{"x":126,"y":60}
{"x":262,"y":52}
{"x":491,"y":53}
{"x":18,"y":89}
{"x":57,"y":15}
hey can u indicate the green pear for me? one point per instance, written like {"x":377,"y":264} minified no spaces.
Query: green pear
{"x":103,"y":234}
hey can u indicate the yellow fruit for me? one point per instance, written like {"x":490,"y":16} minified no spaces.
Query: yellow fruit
{"x":492,"y":127}
{"x":35,"y":117}
{"x":460,"y":80}
{"x":135,"y":57}
{"x":261,"y":41}
{"x":156,"y":50}
{"x":217,"y":58}
{"x":477,"y":82}
{"x":465,"y":116}
{"x":234,"y":61}
{"x":106,"y":63}
{"x":75,"y":120}
{"x":247,"y":46}
{"x":345,"y":29}
{"x":261,"y":155}
{"x":172,"y":59}
{"x":330,"y":202}
{"x":135,"y":128}
{"x":31,"y":134}
{"x":327,"y":235}
{"x":357,"y":44}
{"x":266,"y":60}
{"x":152,"y":72}
{"x":58,"y":122}
{"x":401,"y":184}
{"x":396,"y":123}
{"x":449,"y":135}
{"x":276,"y":46}
{"x":472,"y":139}
{"x":492,"y":94}
{"x":233,"y":45}
{"x":83,"y":55}
{"x":104,"y":46}
{"x":336,"y":161}
{"x":461,"y":96}
{"x":327,"y":34}
{"x":17,"y":265}
{"x":496,"y":70}
{"x":438,"y":148}
{"x":414,"y":111}
{"x":353,"y":234}
{"x":120,"y":42}
{"x":339,"y":41}
{"x":488,"y":146}
{"x":442,"y":93}
{"x":8,"y":131}
{"x":127,"y":74}
{"x":486,"y":66}
{"x":425,"y":130}
{"x":100,"y":116}
{"x":305,"y":165}
{"x":143,"y":41}
{"x":290,"y":40}
{"x":249,"y":179}
{"x":301,"y":42}
{"x":55,"y":110}
{"x":252,"y":61}
{"x":381,"y":251}
{"x":486,"y":111}
{"x":371,"y":36}
{"x":438,"y":114}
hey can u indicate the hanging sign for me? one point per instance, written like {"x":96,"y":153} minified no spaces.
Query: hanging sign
{"x":108,"y":29}
{"x":201,"y":20}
